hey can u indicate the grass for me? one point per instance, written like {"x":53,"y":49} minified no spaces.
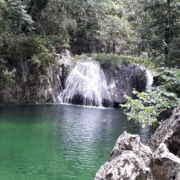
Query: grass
{"x":112,"y":60}
{"x":106,"y":60}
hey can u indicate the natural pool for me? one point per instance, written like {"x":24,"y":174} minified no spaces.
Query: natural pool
{"x":59,"y":142}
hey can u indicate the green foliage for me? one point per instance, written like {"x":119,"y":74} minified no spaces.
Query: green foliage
{"x":14,"y":16}
{"x":108,"y":60}
{"x":82,"y":56}
{"x":2,"y":68}
{"x":143,"y":32}
{"x":41,"y":57}
{"x":170,"y":80}
{"x":174,"y":53}
{"x":24,"y":48}
{"x":156,"y":26}
{"x":37,"y":51}
{"x":148,"y":105}
{"x":111,"y":60}
{"x":85,"y":22}
{"x":2,"y":64}
{"x":98,"y":26}
{"x":8,"y":75}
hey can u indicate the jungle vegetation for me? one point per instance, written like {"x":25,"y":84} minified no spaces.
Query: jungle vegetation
{"x":35,"y":30}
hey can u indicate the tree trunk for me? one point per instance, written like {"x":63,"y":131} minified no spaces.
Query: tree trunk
{"x":114,"y":47}
{"x":168,"y":30}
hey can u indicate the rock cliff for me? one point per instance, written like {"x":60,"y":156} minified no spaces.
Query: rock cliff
{"x":30,"y":86}
{"x":124,"y":79}
{"x":132,"y":160}
{"x":83,"y":82}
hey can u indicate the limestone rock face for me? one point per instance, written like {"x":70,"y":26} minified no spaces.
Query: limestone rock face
{"x":32,"y":87}
{"x":58,"y":74}
{"x":165,"y":165}
{"x":168,"y":133}
{"x":129,"y":160}
{"x":129,"y":142}
{"x":123,"y":79}
{"x":165,"y":144}
{"x":93,"y":84}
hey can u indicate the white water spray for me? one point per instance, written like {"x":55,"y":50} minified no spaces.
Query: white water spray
{"x":149,"y":78}
{"x":86,"y":85}
{"x":148,"y":74}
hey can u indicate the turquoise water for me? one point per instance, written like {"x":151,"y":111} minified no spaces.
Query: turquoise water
{"x":59,"y":142}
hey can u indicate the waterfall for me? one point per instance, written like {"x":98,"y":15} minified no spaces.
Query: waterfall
{"x":86,"y":85}
{"x":149,"y":78}
{"x":148,"y":74}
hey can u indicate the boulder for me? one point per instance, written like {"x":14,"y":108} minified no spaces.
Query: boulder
{"x":129,"y":160}
{"x":132,"y":160}
{"x":165,"y":144}
{"x":165,"y":165}
{"x":168,"y":133}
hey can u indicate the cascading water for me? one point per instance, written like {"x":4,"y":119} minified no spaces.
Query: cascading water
{"x":86,"y":85}
{"x":149,"y":78}
{"x":148,"y":74}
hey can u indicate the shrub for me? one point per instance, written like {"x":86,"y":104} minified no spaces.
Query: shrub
{"x":149,"y":105}
{"x":111,"y":60}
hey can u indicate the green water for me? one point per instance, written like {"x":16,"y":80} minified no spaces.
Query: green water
{"x":58,"y":142}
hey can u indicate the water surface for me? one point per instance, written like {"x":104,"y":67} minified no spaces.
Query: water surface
{"x":59,"y":142}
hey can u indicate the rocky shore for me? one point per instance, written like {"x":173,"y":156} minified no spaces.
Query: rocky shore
{"x":159,"y":160}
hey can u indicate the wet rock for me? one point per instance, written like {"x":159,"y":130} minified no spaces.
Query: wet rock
{"x":177,"y":176}
{"x":57,"y":74}
{"x":86,"y":85}
{"x":129,"y":142}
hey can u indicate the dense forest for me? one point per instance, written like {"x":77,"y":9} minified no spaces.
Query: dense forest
{"x":34,"y":31}
{"x":31,"y":29}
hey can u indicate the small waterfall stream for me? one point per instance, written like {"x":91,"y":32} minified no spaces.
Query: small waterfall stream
{"x":86,"y":85}
{"x":148,"y":75}
{"x":149,"y":78}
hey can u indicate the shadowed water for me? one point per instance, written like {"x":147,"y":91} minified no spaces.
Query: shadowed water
{"x":58,"y":142}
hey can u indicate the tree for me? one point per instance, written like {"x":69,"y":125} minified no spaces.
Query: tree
{"x":150,"y":104}
{"x":114,"y":28}
{"x":158,"y":25}
{"x":16,"y":16}
{"x":34,"y":7}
